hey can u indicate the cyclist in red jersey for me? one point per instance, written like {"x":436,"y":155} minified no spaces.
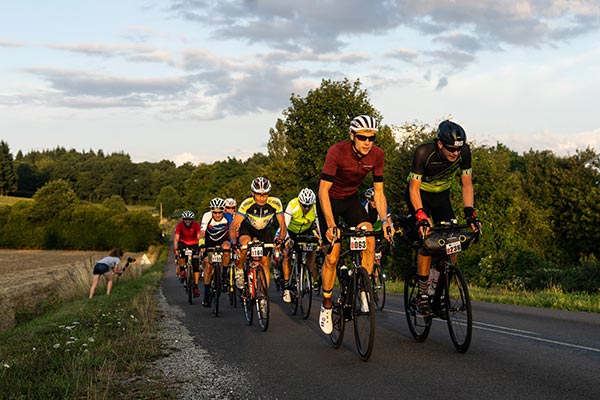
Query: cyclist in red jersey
{"x":346,"y":165}
{"x":187,"y":234}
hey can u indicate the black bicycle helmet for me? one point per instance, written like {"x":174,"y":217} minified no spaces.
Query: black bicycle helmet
{"x":451,"y":134}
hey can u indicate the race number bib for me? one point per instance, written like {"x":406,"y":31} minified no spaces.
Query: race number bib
{"x":256,"y":251}
{"x":307,"y":246}
{"x":188,"y":252}
{"x":216,"y":258}
{"x":453,"y":247}
{"x":358,"y":242}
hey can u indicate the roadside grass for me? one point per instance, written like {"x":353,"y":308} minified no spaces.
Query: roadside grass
{"x":553,"y":297}
{"x":97,"y":348}
{"x":10,"y":200}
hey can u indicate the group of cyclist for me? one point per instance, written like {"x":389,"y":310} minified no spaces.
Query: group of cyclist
{"x":347,"y":163}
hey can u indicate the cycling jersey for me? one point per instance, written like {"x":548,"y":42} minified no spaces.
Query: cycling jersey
{"x":434,"y":171}
{"x":346,"y":169}
{"x":215,"y":231}
{"x":187,"y":235}
{"x":296,"y":220}
{"x":260,"y":217}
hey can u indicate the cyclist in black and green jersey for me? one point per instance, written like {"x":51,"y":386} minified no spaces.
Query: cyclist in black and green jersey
{"x":434,"y":166}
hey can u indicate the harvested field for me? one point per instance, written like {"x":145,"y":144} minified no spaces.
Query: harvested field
{"x":30,"y":278}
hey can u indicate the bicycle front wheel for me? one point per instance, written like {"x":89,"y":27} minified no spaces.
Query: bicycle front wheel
{"x":233,"y":295}
{"x":190,"y":284}
{"x":378,"y":281}
{"x":363,"y":310}
{"x":458,"y":310}
{"x":293,"y":286}
{"x":216,"y":288}
{"x":305,"y":291}
{"x":418,"y":324}
{"x":262,"y":298}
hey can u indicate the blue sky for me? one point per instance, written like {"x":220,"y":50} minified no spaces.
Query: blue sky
{"x":203,"y":80}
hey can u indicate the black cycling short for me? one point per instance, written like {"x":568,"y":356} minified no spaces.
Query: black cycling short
{"x":195,"y":251}
{"x":212,"y":243}
{"x":436,"y":205}
{"x":351,"y":210}
{"x":264,"y":235}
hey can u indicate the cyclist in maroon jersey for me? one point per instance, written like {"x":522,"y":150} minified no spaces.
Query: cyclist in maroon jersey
{"x":346,"y":165}
{"x":187,"y":234}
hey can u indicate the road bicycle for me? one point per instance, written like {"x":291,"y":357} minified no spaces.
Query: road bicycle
{"x":448,"y":290}
{"x":378,"y":275}
{"x":215,"y":258}
{"x":300,"y":280}
{"x":255,"y":293}
{"x":229,"y":280}
{"x":347,"y":299}
{"x":188,"y":283}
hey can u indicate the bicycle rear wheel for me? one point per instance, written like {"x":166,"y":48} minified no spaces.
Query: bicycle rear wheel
{"x":216,"y":288}
{"x":363,"y":314}
{"x":458,"y":310}
{"x":262,"y":298}
{"x":378,"y":281}
{"x":418,"y":324}
{"x":305,"y":291}
{"x":337,"y":319}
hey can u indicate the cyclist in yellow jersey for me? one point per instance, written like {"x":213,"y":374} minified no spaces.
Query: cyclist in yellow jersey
{"x":254,"y":219}
{"x":300,"y":219}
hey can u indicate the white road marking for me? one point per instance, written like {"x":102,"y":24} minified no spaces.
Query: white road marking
{"x":516,"y":332}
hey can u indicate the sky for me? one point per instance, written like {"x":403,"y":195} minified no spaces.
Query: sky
{"x":202,"y":80}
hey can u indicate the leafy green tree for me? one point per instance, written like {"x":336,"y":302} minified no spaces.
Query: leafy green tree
{"x":55,"y":200}
{"x":115,"y":204}
{"x":169,"y":199}
{"x":314,"y":122}
{"x":8,"y":179}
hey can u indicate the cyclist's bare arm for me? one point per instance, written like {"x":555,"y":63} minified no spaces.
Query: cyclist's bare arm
{"x":325,"y":202}
{"x":414,"y":190}
{"x":381,"y":204}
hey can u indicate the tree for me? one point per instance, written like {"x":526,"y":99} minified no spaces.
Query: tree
{"x":55,"y":199}
{"x":169,"y":199}
{"x":315,"y":122}
{"x":8,"y":179}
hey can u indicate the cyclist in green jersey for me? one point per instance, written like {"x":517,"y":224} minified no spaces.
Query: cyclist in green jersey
{"x":300,"y":219}
{"x":434,"y":166}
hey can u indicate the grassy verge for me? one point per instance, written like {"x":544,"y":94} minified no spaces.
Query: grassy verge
{"x":87,"y":348}
{"x":550,"y":298}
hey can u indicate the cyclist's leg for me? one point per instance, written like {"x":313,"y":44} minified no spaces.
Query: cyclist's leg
{"x":239,"y":273}
{"x":226,"y":255}
{"x":208,"y":270}
{"x":264,"y":262}
{"x":368,"y":255}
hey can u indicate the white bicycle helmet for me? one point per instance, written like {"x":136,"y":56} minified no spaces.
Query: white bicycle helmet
{"x":363,"y":122}
{"x":187,"y":214}
{"x":261,"y":185}
{"x":217,"y":202}
{"x":307,"y":197}
{"x":229,"y":202}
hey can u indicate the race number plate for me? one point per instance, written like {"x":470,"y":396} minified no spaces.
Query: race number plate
{"x":453,"y":247}
{"x":307,"y":246}
{"x":216,"y":258}
{"x":358,"y":242}
{"x":378,"y":256}
{"x":256,"y":251}
{"x":188,"y":252}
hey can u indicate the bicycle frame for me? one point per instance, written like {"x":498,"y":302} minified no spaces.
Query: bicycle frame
{"x":215,"y":258}
{"x":349,"y":305}
{"x":256,"y":292}
{"x":299,"y":281}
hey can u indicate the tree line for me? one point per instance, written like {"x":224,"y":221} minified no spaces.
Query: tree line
{"x":540,"y":211}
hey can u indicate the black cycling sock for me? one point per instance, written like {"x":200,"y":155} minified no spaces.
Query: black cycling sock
{"x":206,"y":289}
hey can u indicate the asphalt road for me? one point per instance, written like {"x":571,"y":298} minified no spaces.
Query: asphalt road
{"x":516,"y":353}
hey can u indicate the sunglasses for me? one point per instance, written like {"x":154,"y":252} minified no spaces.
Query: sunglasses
{"x":230,"y":208}
{"x":217,"y":212}
{"x":453,"y":149}
{"x":363,"y":138}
